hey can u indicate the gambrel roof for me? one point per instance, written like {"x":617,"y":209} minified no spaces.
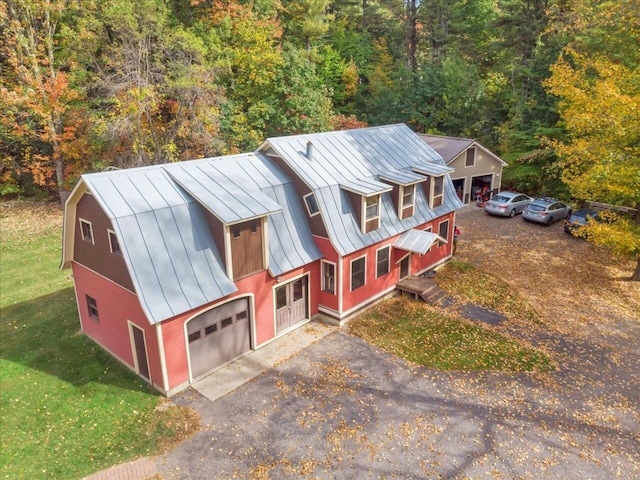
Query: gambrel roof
{"x":363,"y":161}
{"x":158,"y":215}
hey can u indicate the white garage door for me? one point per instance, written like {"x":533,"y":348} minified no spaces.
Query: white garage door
{"x":218,"y":335}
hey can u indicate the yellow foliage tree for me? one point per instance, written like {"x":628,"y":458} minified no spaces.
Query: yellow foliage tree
{"x":599,"y":92}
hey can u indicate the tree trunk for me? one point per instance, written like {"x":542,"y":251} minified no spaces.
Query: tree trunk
{"x":636,"y":275}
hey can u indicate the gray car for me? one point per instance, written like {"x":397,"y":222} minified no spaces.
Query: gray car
{"x":546,"y":211}
{"x":507,"y":204}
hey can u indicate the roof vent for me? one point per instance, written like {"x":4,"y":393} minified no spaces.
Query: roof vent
{"x":309,"y":150}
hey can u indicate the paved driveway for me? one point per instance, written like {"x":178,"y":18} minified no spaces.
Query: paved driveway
{"x":342,"y":409}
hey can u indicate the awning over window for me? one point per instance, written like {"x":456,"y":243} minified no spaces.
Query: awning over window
{"x":417,"y":241}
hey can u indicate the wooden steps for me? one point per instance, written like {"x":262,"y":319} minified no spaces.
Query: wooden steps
{"x":421,"y":287}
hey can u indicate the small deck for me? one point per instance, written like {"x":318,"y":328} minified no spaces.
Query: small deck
{"x":422,"y":287}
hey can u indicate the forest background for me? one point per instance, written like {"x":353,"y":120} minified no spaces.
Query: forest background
{"x":551,"y":86}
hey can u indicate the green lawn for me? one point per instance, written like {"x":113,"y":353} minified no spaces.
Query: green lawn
{"x":423,"y":334}
{"x":68,"y":408}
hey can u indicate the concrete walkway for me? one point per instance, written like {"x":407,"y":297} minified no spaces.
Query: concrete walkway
{"x":225,"y":380}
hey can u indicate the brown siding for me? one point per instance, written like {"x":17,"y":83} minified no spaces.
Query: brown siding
{"x":246,"y":248}
{"x":217,"y":230}
{"x":426,"y":186}
{"x":98,"y":256}
{"x":371,"y":225}
{"x":316,"y":224}
{"x":407,"y":212}
{"x":356,"y":202}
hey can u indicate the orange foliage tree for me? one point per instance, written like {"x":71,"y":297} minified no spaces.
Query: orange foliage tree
{"x":37,"y":95}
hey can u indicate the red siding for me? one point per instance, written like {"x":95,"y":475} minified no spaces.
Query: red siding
{"x":116,"y":306}
{"x":259,"y":287}
{"x":329,"y":254}
{"x":375,"y":286}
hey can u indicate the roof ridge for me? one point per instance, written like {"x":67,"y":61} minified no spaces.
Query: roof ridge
{"x":447,"y":136}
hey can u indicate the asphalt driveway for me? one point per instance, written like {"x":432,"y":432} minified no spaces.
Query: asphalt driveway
{"x":342,"y":409}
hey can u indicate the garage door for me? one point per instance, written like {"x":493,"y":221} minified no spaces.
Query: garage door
{"x":218,"y":335}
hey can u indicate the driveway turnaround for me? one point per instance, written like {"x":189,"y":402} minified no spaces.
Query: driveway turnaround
{"x":344,"y":409}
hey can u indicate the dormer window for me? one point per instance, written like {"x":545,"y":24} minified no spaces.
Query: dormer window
{"x":365,"y":196}
{"x":371,"y":213}
{"x":408,"y":196}
{"x":312,"y":204}
{"x":438,"y":189}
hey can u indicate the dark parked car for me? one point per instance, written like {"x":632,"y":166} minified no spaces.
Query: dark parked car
{"x":546,"y":211}
{"x":507,"y":204}
{"x":579,"y":218}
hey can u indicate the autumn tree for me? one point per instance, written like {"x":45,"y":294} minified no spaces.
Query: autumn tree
{"x":599,"y":91}
{"x":41,"y":121}
{"x":160,"y":98}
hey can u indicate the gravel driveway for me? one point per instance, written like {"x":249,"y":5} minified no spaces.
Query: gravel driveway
{"x":342,"y":409}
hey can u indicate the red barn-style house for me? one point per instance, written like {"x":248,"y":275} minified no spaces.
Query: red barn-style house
{"x":181,"y":268}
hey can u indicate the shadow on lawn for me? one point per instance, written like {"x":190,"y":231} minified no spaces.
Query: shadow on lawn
{"x":44,"y":334}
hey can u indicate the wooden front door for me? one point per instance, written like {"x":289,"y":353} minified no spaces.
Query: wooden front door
{"x":291,"y":304}
{"x":405,"y":265}
{"x":142,"y":365}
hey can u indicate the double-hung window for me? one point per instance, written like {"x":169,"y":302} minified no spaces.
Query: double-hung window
{"x":358,"y":272}
{"x":382,"y":261}
{"x":92,"y":307}
{"x":408,"y":198}
{"x":443,"y":231}
{"x":438,"y":190}
{"x":371,"y":213}
{"x":328,"y":277}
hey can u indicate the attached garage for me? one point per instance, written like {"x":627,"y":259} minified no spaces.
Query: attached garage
{"x":218,"y":335}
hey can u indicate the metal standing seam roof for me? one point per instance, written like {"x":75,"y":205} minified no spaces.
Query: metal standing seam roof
{"x":165,"y":241}
{"x":366,"y":187}
{"x":164,"y":236}
{"x":417,"y":241}
{"x":344,"y":158}
{"x":403,"y":178}
{"x":228,"y":201}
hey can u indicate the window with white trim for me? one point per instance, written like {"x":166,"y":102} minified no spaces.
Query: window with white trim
{"x":92,"y":307}
{"x":358,"y":272}
{"x":470,"y":161}
{"x":438,"y":190}
{"x":407,"y":201}
{"x":407,"y":196}
{"x":382,"y":261}
{"x":371,"y":213}
{"x":328,"y":277}
{"x":86,"y":230}
{"x":312,"y":204}
{"x":114,"y":245}
{"x":443,"y":231}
